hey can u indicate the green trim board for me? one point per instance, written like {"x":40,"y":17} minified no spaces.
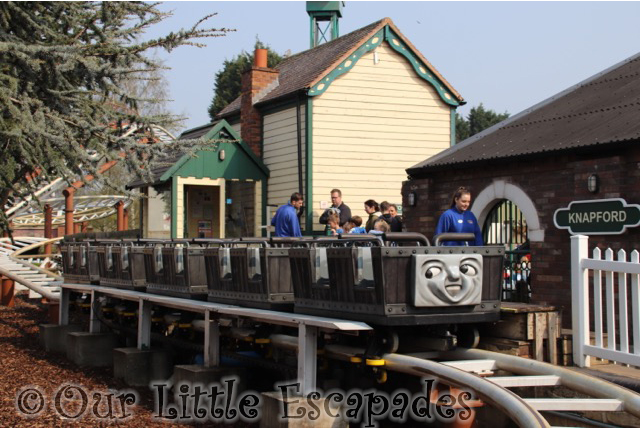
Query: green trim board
{"x":386,"y":34}
{"x":309,"y":161}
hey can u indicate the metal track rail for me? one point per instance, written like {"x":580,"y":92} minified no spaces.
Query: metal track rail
{"x":516,"y":408}
{"x":607,"y":396}
{"x":473,"y":369}
{"x":470,"y":369}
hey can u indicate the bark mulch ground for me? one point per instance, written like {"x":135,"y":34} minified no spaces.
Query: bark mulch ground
{"x":28,"y":375}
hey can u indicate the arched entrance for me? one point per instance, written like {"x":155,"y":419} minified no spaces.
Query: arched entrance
{"x":508,"y":217}
{"x":505,"y":225}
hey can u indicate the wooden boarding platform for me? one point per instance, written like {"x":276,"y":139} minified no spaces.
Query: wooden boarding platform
{"x":524,"y":330}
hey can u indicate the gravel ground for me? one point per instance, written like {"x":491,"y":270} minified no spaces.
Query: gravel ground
{"x":25,"y":367}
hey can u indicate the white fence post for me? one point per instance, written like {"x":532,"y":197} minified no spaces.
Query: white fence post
{"x":622,"y":302}
{"x":579,"y":299}
{"x":635,"y":305}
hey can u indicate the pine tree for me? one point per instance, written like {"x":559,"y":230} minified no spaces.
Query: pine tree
{"x":477,"y":121}
{"x":228,"y":80}
{"x":62,"y":93}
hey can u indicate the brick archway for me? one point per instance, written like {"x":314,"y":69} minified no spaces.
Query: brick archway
{"x":499,"y":190}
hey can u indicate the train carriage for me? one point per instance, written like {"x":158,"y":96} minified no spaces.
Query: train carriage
{"x":176,"y":268}
{"x":121,"y":264}
{"x":80,"y":262}
{"x":385,"y":281}
{"x":251,"y":272}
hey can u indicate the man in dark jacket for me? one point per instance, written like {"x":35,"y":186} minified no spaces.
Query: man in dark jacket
{"x":338,"y":207}
{"x":286,"y":218}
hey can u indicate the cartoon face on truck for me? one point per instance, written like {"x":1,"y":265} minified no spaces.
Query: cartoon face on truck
{"x":445,"y":280}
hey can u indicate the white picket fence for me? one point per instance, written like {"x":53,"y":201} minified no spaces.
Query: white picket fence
{"x":619,"y":275}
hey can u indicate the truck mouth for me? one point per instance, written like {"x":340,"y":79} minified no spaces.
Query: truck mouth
{"x":453,"y":289}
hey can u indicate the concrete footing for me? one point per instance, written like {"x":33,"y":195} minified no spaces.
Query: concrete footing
{"x":273,"y":412}
{"x":140,"y":367}
{"x":192,"y":374}
{"x":53,"y":337}
{"x":91,"y":349}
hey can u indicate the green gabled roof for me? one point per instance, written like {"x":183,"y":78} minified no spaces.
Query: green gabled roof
{"x":239,"y":163}
{"x":231,"y":167}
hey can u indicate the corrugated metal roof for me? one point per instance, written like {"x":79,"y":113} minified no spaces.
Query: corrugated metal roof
{"x":600,"y":110}
{"x":301,"y":71}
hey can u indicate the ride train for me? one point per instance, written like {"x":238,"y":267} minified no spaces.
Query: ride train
{"x":397,"y":282}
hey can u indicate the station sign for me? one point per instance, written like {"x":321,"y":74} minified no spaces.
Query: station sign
{"x":598,"y":217}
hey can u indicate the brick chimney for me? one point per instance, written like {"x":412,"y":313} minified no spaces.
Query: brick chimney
{"x":256,"y":83}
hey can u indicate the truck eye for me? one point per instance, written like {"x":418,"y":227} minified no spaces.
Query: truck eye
{"x":432,"y":271}
{"x":468,"y":269}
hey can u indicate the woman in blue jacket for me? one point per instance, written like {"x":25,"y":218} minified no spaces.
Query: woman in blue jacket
{"x":458,"y":219}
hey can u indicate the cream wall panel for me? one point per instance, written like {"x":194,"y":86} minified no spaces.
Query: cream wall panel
{"x":281,"y":154}
{"x":377,"y":131}
{"x":401,"y":120}
{"x":157,"y":214}
{"x":355,"y":109}
{"x":375,"y":98}
{"x":370,"y":125}
{"x":281,"y":149}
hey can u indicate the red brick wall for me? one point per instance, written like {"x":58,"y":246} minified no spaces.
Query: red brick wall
{"x":253,"y":81}
{"x":551,"y":182}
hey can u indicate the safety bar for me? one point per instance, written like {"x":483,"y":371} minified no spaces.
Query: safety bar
{"x":207,"y":241}
{"x":302,"y":241}
{"x":264,"y":242}
{"x":374,"y":239}
{"x":407,"y":237}
{"x":453,"y":237}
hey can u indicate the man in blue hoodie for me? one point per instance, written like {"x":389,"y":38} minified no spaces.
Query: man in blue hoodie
{"x":286,"y":218}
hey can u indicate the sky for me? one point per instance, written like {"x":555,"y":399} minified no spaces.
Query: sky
{"x":506,"y":55}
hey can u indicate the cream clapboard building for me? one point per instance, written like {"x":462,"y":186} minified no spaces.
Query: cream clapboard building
{"x":352,"y":113}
